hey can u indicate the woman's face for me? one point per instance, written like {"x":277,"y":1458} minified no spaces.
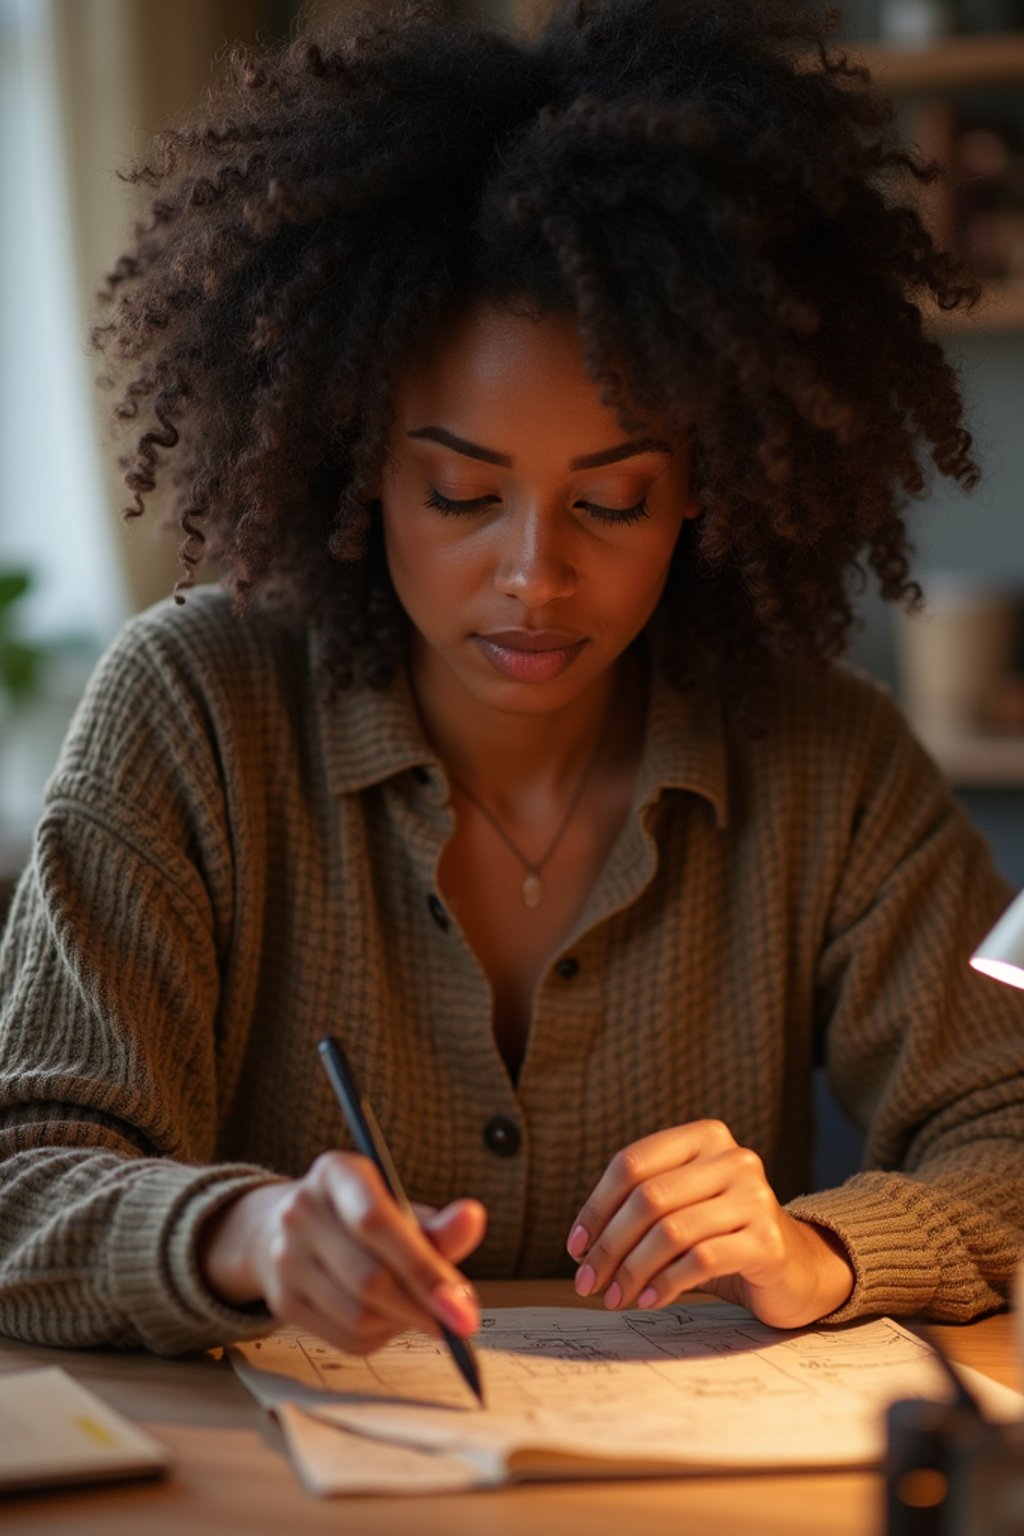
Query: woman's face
{"x":528,"y":541}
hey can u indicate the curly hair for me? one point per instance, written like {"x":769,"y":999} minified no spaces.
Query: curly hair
{"x":713,"y":191}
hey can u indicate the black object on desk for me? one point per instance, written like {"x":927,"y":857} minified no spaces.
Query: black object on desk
{"x":368,"y":1137}
{"x":948,"y":1470}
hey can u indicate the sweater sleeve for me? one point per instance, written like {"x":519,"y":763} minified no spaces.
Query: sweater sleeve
{"x":925,"y":1055}
{"x":109,"y":985}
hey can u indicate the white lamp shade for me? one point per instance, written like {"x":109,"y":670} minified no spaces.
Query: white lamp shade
{"x":1001,"y":953}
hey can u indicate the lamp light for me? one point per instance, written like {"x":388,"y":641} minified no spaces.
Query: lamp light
{"x":1001,"y":952}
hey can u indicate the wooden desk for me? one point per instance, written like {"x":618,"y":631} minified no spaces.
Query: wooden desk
{"x":232,"y":1474}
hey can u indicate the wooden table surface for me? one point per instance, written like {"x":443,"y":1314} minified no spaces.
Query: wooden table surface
{"x":231,"y":1472}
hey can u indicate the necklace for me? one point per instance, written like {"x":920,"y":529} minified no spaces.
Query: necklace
{"x":531,"y":891}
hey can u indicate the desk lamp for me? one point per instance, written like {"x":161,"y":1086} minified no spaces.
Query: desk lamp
{"x":1001,"y":953}
{"x":947,"y":1468}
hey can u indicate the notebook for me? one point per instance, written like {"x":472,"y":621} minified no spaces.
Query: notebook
{"x":53,"y":1431}
{"x":574,"y":1392}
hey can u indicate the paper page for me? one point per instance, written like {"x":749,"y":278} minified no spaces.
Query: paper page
{"x":702,"y":1386}
{"x":52,"y":1430}
{"x":331,"y":1460}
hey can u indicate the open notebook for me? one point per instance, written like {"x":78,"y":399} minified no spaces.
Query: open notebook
{"x":52,"y":1430}
{"x":572,"y":1392}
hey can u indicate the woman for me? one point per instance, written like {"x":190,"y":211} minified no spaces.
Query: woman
{"x":538,"y":401}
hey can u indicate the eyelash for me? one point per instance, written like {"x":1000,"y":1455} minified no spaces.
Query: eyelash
{"x":450,"y":508}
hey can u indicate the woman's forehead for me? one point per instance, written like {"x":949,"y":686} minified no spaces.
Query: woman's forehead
{"x":513,"y":372}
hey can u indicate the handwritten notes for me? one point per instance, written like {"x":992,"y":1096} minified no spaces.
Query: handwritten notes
{"x":574,"y":1392}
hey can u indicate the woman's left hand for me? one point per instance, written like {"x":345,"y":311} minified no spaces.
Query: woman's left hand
{"x":689,"y":1209}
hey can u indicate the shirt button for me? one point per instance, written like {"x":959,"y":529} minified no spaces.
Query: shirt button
{"x":502,"y":1136}
{"x":436,"y":909}
{"x":421,"y":774}
{"x":568,"y":967}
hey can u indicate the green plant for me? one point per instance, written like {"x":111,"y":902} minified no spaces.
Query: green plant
{"x":20,"y":663}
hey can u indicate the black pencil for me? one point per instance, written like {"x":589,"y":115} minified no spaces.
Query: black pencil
{"x":369,"y":1139}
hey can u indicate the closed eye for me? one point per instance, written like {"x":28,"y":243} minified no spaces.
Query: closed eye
{"x":458,"y":508}
{"x":450,"y":508}
{"x":631,"y":514}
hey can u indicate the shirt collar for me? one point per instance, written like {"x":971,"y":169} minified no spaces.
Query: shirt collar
{"x":685,"y":743}
{"x":373,"y":734}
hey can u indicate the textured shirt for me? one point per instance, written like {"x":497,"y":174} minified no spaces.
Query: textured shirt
{"x":228,"y":867}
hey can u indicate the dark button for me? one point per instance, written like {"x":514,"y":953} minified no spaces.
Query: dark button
{"x":421,"y":774}
{"x":436,"y":908}
{"x":568,"y":967}
{"x":502,"y":1136}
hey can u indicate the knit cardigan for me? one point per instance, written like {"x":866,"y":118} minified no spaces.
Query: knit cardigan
{"x":228,"y":866}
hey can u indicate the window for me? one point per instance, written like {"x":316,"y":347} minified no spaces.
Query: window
{"x":53,"y":516}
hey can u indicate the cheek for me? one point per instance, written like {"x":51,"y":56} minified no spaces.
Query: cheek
{"x":642,"y":571}
{"x":428,"y":564}
{"x":406,"y":539}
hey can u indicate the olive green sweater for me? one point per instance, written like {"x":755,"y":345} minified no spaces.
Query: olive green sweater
{"x":227,"y":868}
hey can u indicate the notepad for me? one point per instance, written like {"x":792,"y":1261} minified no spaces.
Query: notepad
{"x":52,"y":1430}
{"x":573,"y":1392}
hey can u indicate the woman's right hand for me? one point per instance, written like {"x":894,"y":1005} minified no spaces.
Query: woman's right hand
{"x":332,"y":1253}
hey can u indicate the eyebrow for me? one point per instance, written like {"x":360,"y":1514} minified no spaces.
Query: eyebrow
{"x":506,"y":461}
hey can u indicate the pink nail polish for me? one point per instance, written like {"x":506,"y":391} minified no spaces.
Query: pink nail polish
{"x":647,"y":1298}
{"x":454,"y":1305}
{"x":579,"y":1241}
{"x":585,"y":1278}
{"x":613,"y":1295}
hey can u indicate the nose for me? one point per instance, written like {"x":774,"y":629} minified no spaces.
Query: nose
{"x":535,"y":563}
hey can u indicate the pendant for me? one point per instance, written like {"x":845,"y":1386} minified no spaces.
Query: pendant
{"x":532,"y":890}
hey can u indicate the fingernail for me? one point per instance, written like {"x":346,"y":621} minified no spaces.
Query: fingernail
{"x":585,"y":1278}
{"x":613,"y":1295}
{"x":456,"y":1306}
{"x":579,"y":1241}
{"x":647,"y":1298}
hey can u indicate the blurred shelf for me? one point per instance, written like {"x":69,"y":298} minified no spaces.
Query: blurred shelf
{"x":978,"y":762}
{"x":953,"y":63}
{"x":964,"y":62}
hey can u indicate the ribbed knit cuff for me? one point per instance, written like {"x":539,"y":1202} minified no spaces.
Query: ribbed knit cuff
{"x":894,"y":1230}
{"x":157,"y":1282}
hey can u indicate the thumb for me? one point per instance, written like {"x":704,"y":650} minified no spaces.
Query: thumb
{"x":457,"y":1229}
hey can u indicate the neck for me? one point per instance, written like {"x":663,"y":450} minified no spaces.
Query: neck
{"x":499,"y":754}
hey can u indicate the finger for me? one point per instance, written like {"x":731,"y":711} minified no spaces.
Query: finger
{"x":649,"y":1204}
{"x":640,"y":1161}
{"x":458,"y":1229}
{"x":314,"y":1255}
{"x":670,"y":1239}
{"x":369,"y":1215}
{"x":344,"y":1329}
{"x":717,"y":1258}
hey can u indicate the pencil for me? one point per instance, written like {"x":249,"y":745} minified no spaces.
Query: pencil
{"x":369,"y":1139}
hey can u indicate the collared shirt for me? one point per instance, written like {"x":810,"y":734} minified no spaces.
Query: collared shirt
{"x":230,"y":867}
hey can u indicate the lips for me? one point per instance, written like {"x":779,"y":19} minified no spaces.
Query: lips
{"x":530,"y":655}
{"x":531,"y":639}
